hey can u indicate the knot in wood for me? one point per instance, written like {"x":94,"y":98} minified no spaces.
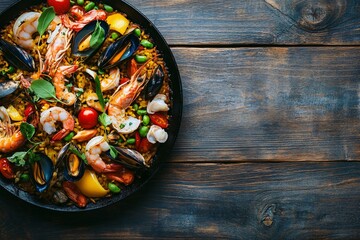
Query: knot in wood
{"x":316,"y":15}
{"x":267,"y":215}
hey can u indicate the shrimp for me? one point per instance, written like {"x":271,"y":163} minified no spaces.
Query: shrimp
{"x":49,"y":117}
{"x":58,"y":80}
{"x":24,"y":28}
{"x":10,"y":136}
{"x":112,"y":81}
{"x":117,"y":172}
{"x":56,"y":51}
{"x":122,"y":99}
{"x":85,"y":19}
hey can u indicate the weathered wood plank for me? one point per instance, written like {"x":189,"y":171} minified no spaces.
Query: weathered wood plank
{"x":277,"y":104}
{"x":198,"y":22}
{"x":242,"y":201}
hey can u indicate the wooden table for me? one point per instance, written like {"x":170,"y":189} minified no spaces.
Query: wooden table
{"x":270,"y":137}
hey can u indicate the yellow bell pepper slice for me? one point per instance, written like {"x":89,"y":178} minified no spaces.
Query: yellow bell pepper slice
{"x":14,"y":114}
{"x":89,"y":185}
{"x":118,"y":23}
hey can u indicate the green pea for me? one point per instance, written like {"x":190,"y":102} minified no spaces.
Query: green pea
{"x":114,"y":35}
{"x":141,"y":112}
{"x":11,"y":70}
{"x":146,"y":43}
{"x":80,"y":2}
{"x":146,"y":120}
{"x":137,"y":32}
{"x":24,"y":177}
{"x":101,"y":71}
{"x":131,"y":141}
{"x":143,"y":131}
{"x":89,"y":6}
{"x":113,"y":188}
{"x":68,"y":137}
{"x":108,"y":8}
{"x":135,"y":107}
{"x":140,"y":58}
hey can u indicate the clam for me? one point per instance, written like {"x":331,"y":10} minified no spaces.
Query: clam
{"x":130,"y":158}
{"x":7,"y":87}
{"x":119,"y":51}
{"x":16,"y":56}
{"x":81,"y":44}
{"x":73,"y":166}
{"x":158,"y":104}
{"x":155,"y":83}
{"x":42,"y":172}
{"x":157,"y":134}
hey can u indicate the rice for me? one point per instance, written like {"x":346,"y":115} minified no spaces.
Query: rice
{"x":79,"y":80}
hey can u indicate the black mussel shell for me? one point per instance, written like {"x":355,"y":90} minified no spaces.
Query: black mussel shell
{"x":17,"y":57}
{"x":74,"y":167}
{"x":155,"y":83}
{"x":83,"y":34}
{"x":42,"y":171}
{"x":130,"y":42}
{"x":130,"y":158}
{"x":7,"y":87}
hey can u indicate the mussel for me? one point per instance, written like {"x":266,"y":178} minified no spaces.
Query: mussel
{"x":154,"y":85}
{"x":81,"y":44}
{"x":42,"y":171}
{"x":131,"y":159}
{"x":73,"y":166}
{"x":7,"y":87}
{"x":119,"y":51}
{"x":16,"y":56}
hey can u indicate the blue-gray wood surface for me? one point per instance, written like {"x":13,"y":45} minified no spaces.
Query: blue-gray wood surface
{"x":270,"y":139}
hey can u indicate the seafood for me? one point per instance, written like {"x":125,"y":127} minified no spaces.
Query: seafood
{"x":42,"y":172}
{"x":112,"y":81}
{"x":155,"y":83}
{"x":73,"y":166}
{"x":130,"y":158}
{"x":8,"y":87}
{"x":85,"y":19}
{"x":92,"y":100}
{"x":94,"y":148}
{"x":16,"y":56}
{"x":158,"y":104}
{"x":24,"y":28}
{"x":57,"y":50}
{"x":49,"y":117}
{"x":73,"y":192}
{"x":157,"y":134}
{"x":10,"y":136}
{"x":85,"y":135}
{"x":62,"y":92}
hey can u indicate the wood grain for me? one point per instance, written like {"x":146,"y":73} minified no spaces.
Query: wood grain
{"x":233,"y":201}
{"x":222,"y":22}
{"x":275,"y":104}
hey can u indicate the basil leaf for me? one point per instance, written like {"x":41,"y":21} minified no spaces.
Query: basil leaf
{"x":104,"y":119}
{"x":18,"y":158}
{"x":43,"y":89}
{"x":113,"y":152}
{"x":99,"y":93}
{"x":81,"y":155}
{"x":27,"y":130}
{"x":98,"y":36}
{"x":46,"y":17}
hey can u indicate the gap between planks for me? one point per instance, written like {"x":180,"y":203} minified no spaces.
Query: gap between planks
{"x":223,"y":46}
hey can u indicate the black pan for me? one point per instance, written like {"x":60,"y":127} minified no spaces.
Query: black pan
{"x":175,"y":112}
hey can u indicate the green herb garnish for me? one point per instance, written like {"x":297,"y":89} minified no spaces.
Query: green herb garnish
{"x":99,"y":93}
{"x":104,"y":119}
{"x":46,"y":17}
{"x":98,"y":36}
{"x":113,"y":152}
{"x":27,"y":130}
{"x":81,"y":155}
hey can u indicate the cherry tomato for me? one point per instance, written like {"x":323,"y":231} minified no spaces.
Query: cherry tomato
{"x":29,"y":109}
{"x":6,"y":169}
{"x":137,"y":140}
{"x":159,"y":119}
{"x":88,"y":117}
{"x":60,"y":6}
{"x":145,"y":145}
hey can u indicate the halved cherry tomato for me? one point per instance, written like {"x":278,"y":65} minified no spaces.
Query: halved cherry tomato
{"x":6,"y":168}
{"x":159,"y":119}
{"x":60,"y":6}
{"x":145,"y":145}
{"x":29,"y":109}
{"x":88,"y":117}
{"x":137,"y":140}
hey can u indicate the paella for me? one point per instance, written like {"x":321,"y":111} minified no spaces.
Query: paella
{"x":85,"y":102}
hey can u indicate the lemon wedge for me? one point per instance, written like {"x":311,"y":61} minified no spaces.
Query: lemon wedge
{"x":118,"y":23}
{"x":90,"y":186}
{"x":14,"y":114}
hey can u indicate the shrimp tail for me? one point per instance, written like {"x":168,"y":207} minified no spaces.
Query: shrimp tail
{"x":60,"y":135}
{"x":124,"y":176}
